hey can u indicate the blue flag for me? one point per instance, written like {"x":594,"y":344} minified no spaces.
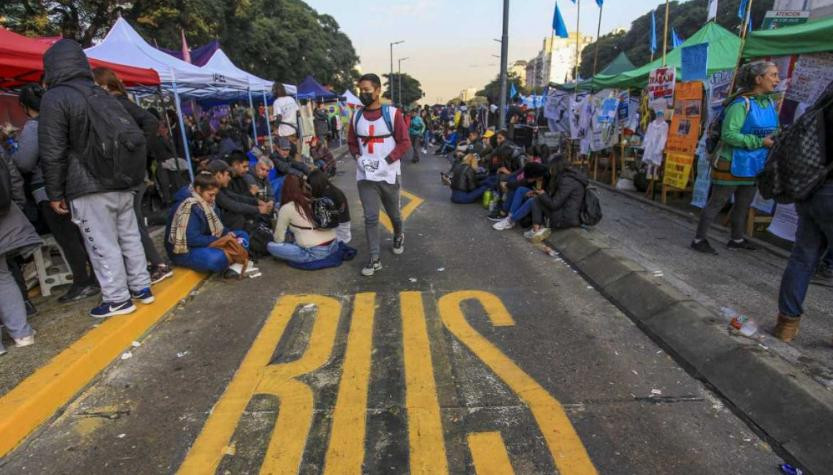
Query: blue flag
{"x":742,"y":9}
{"x":558,"y":25}
{"x":513,"y":91}
{"x":653,"y":32}
{"x":676,"y":40}
{"x":600,"y":3}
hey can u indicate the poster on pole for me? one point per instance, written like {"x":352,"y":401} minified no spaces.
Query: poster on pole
{"x":703,"y":180}
{"x":661,"y":89}
{"x":685,"y":123}
{"x":775,"y":19}
{"x":695,"y":62}
{"x":603,"y":125}
{"x":677,"y":169}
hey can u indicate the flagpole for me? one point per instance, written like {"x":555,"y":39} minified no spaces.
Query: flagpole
{"x":665,"y":34}
{"x":744,"y":29}
{"x":578,"y":39}
{"x":598,"y":32}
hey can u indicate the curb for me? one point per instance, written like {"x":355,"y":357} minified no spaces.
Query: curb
{"x":783,"y":405}
{"x":37,"y":398}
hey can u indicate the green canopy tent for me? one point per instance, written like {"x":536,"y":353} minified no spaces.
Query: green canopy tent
{"x":723,"y":55}
{"x":619,"y":64}
{"x":812,"y":37}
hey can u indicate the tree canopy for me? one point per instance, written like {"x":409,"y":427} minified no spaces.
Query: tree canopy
{"x":281,"y":40}
{"x":686,"y":18}
{"x":411,"y":89}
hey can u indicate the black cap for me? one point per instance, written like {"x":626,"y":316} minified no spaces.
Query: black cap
{"x":284,"y":143}
{"x":218,"y":166}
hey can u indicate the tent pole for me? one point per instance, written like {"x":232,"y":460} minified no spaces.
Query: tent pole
{"x":254,"y":117}
{"x":185,"y":145}
{"x":578,"y":39}
{"x":665,"y":34}
{"x":266,"y":115}
{"x":598,"y":32}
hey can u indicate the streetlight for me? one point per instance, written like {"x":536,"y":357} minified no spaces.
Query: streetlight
{"x":399,"y":77}
{"x":390,"y":78}
{"x":504,"y":53}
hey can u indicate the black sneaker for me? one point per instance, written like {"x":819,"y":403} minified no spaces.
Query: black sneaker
{"x":742,"y":244}
{"x":446,"y":178}
{"x":75,"y":294}
{"x":30,"y":308}
{"x":399,"y":244}
{"x":496,"y":215}
{"x":703,"y":246}
{"x":160,"y":273}
{"x":373,"y":266}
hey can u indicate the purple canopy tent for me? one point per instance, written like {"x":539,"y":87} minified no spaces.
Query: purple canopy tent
{"x":199,"y":55}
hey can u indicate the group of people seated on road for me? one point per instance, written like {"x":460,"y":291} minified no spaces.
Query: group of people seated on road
{"x":80,"y":168}
{"x":532,"y":188}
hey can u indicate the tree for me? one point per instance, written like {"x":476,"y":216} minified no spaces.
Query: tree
{"x":492,"y":90}
{"x":281,"y":40}
{"x":411,"y":89}
{"x":686,"y":18}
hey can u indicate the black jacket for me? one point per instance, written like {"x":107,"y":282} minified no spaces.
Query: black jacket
{"x":564,"y":200}
{"x":236,"y":208}
{"x":63,"y":123}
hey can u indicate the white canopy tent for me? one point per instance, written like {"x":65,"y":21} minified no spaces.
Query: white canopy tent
{"x":351,"y":98}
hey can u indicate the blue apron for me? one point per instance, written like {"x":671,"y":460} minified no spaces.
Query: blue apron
{"x":760,"y":121}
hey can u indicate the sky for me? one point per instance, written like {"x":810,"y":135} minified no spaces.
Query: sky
{"x":449,"y":43}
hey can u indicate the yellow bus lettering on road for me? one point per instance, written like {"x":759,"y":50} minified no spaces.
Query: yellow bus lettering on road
{"x":567,"y":451}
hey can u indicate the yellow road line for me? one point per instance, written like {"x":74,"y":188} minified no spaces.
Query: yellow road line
{"x":488,"y":452}
{"x":39,"y":396}
{"x":414,"y":202}
{"x":346,"y":450}
{"x":568,"y":453}
{"x":425,"y":431}
{"x":256,"y":376}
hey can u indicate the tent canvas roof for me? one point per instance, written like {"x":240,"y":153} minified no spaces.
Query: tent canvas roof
{"x":199,"y":55}
{"x":620,"y":64}
{"x":311,"y":89}
{"x":21,"y":61}
{"x":351,"y":98}
{"x":124,"y":44}
{"x":811,"y":37}
{"x":723,"y":54}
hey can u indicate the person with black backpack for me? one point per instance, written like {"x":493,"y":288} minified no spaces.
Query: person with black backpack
{"x":93,"y":155}
{"x":749,"y":123}
{"x":562,"y":203}
{"x":814,"y":235}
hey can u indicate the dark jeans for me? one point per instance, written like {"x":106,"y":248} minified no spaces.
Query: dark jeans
{"x":464,"y":198}
{"x":540,"y":210}
{"x":169,"y":183}
{"x":415,"y":143}
{"x":812,"y":239}
{"x":147,"y":243}
{"x":740,"y":209}
{"x":515,"y":199}
{"x":68,"y":236}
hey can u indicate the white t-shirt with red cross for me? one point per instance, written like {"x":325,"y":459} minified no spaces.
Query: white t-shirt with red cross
{"x":376,"y":143}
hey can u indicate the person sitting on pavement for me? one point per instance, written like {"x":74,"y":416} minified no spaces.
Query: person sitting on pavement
{"x":321,"y":156}
{"x":472,"y":144}
{"x":561,"y":203}
{"x":17,"y":235}
{"x":468,"y":181}
{"x":749,"y":123}
{"x":322,"y":187}
{"x":521,"y":195}
{"x":296,"y":216}
{"x":194,"y":225}
{"x":286,"y":162}
{"x":239,"y":208}
{"x":260,"y":186}
{"x":66,"y":233}
{"x":449,"y":143}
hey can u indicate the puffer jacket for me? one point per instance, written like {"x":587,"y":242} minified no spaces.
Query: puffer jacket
{"x":463,"y":178}
{"x":565,"y":199}
{"x":16,"y":232}
{"x":64,"y":125}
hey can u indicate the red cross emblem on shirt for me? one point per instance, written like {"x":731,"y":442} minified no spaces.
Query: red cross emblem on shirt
{"x":372,"y":139}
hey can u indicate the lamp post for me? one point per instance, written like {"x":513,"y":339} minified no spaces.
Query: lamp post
{"x":504,"y":53}
{"x":399,"y":79}
{"x":390,"y":78}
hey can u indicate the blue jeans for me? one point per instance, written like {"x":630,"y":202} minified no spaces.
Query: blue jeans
{"x":522,"y":211}
{"x":516,"y":199}
{"x":812,"y":239}
{"x":294,"y":253}
{"x":202,"y":259}
{"x":464,"y":198}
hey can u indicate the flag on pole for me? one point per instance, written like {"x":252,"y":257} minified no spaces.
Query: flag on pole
{"x":600,"y":3}
{"x":653,"y":31}
{"x":186,"y":52}
{"x":513,"y":91}
{"x":675,"y":38}
{"x":742,"y":9}
{"x":712,"y":10}
{"x":558,"y":25}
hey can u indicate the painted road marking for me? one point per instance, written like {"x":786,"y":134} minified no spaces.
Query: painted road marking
{"x":257,"y":376}
{"x":425,"y":432}
{"x":567,"y":451}
{"x":347,"y":449}
{"x":414,"y":202}
{"x":38,"y":397}
{"x":488,"y":452}
{"x":345,"y":452}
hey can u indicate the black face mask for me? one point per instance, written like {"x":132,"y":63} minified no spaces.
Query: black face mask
{"x":366,"y":98}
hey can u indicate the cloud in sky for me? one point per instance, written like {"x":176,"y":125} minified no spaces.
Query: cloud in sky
{"x":450,"y":43}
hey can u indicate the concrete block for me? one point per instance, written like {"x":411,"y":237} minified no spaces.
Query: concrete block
{"x":606,"y":266}
{"x":642,"y":295}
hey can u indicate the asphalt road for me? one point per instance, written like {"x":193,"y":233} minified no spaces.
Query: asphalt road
{"x":473,"y":351}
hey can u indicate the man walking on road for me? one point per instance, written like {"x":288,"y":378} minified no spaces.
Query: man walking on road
{"x":378,"y":138}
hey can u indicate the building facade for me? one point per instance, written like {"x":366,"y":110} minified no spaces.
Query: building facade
{"x":556,"y":61}
{"x":518,"y":68}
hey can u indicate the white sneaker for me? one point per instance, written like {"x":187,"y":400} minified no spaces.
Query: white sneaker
{"x":505,"y":223}
{"x":25,"y":341}
{"x":540,"y":235}
{"x":250,"y":269}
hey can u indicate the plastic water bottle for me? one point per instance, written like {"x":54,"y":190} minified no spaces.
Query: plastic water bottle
{"x":745,"y":325}
{"x":788,"y":469}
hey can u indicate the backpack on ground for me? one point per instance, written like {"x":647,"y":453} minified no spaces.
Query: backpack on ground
{"x":797,"y":163}
{"x":591,"y":208}
{"x":116,"y":149}
{"x":325,"y":213}
{"x":715,"y":131}
{"x":259,"y":237}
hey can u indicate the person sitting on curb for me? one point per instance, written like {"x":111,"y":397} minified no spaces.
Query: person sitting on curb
{"x":194,"y":226}
{"x":561,"y":203}
{"x":240,"y":209}
{"x":467,"y":181}
{"x":296,"y":215}
{"x":521,"y":194}
{"x":321,"y":187}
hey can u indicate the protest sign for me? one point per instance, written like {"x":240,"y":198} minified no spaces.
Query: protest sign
{"x":661,"y":89}
{"x":774,"y":19}
{"x":695,"y":59}
{"x":784,"y":222}
{"x":703,"y":180}
{"x":576,"y":102}
{"x":677,"y":169}
{"x":603,"y":124}
{"x":685,"y":123}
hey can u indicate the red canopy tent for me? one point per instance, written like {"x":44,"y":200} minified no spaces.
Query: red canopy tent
{"x":21,"y":61}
